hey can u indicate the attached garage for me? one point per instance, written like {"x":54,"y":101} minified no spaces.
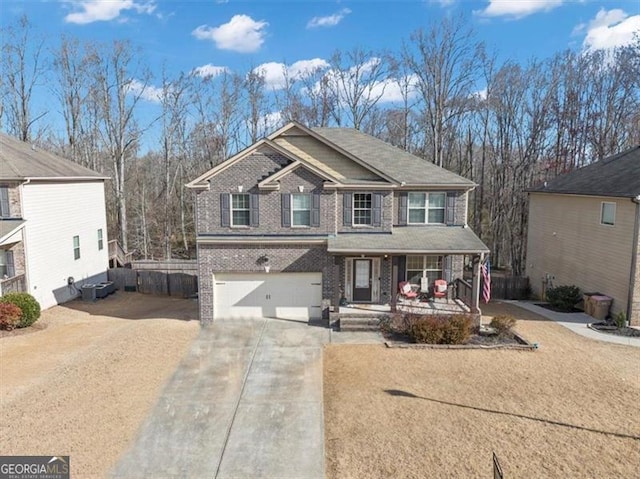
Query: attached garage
{"x":295,"y":296}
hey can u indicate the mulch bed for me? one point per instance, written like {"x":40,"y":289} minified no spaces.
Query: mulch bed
{"x":558,"y":310}
{"x":612,"y":329}
{"x":476,"y":341}
{"x":34,"y":328}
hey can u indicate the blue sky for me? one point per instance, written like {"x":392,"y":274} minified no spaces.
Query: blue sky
{"x":239,"y":35}
{"x":243,"y":34}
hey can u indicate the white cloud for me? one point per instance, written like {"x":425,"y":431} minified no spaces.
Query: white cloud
{"x":275,"y":74}
{"x":329,"y":20}
{"x":209,"y":71}
{"x":517,"y":8}
{"x":242,"y":34}
{"x":89,"y":11}
{"x":150,"y":93}
{"x":391,"y":90}
{"x":444,"y":3}
{"x":609,"y":29}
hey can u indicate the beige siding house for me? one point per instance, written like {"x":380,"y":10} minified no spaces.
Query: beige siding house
{"x":584,"y":231}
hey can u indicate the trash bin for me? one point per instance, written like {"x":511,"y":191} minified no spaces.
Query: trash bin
{"x":88,"y":292}
{"x":588,"y":303}
{"x":601,"y":306}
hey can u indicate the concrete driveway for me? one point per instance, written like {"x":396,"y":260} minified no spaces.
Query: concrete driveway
{"x":245,"y":403}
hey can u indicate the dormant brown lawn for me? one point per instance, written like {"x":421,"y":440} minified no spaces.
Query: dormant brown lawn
{"x":83,"y":385}
{"x":569,"y":410}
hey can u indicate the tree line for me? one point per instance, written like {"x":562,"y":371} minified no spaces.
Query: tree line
{"x":444,"y":96}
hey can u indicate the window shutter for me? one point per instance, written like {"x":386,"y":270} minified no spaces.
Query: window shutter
{"x":225,"y":209}
{"x":447,"y":268}
{"x":4,"y":201}
{"x":286,"y":210}
{"x":450,"y":210}
{"x":11,"y":269}
{"x":315,"y":209}
{"x":347,"y":209}
{"x":254,"y":209}
{"x":403,"y":201}
{"x":376,"y":209}
{"x":402,"y":269}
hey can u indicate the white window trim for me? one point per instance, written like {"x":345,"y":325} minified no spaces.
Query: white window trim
{"x":424,"y":265}
{"x":309,"y":210}
{"x":231,"y":209}
{"x":602,"y":203}
{"x":100,"y":239}
{"x":426,"y":208}
{"x":353,"y":212}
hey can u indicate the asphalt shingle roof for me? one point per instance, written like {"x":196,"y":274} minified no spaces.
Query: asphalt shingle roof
{"x":410,"y":239}
{"x":19,"y":161}
{"x":393,"y":162}
{"x":617,"y":176}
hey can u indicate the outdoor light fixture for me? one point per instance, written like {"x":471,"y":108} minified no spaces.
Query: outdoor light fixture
{"x":240,"y":187}
{"x":301,"y":188}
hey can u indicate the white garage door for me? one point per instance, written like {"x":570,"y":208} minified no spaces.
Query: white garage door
{"x":270,"y":295}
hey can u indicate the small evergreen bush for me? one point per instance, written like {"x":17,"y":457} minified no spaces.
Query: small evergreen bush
{"x":10,"y":316}
{"x":503,"y":324}
{"x":28,"y":305}
{"x":564,"y":297}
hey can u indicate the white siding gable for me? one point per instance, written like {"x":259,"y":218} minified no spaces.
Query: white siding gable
{"x":54,"y":214}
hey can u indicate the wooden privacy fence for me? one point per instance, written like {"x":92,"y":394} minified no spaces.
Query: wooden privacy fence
{"x":155,"y":282}
{"x":509,"y":287}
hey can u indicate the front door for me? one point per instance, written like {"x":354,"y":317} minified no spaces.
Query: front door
{"x":362,"y":280}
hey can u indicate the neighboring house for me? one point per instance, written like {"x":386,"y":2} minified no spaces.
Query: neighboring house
{"x":53,"y":231}
{"x":306,"y":218}
{"x":584,"y":231}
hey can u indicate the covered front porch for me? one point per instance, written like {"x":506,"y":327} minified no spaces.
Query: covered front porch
{"x":373,"y":266}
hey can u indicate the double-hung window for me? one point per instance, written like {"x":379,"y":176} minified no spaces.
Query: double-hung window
{"x":608,"y":213}
{"x":426,"y":208}
{"x":362,"y":209}
{"x":76,"y":247}
{"x":300,"y":210}
{"x":429,"y":266}
{"x":240,"y":209}
{"x":100,"y":240}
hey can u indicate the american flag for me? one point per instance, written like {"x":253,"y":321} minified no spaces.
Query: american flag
{"x":485,"y":270}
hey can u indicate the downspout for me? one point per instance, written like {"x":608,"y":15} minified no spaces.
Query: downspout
{"x":634,"y":258}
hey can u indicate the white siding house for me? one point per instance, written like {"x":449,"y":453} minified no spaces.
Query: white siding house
{"x":59,"y":209}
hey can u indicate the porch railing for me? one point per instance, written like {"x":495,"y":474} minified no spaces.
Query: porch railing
{"x":463,"y":292}
{"x":118,"y":256}
{"x":16,"y":284}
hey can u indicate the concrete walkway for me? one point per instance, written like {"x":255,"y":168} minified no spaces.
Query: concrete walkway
{"x":576,"y":322}
{"x":246,"y":402}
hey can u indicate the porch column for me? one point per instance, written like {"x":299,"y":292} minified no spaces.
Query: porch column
{"x":475,"y":284}
{"x":394,"y":283}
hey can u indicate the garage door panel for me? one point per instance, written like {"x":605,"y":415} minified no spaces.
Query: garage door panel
{"x":277,"y":295}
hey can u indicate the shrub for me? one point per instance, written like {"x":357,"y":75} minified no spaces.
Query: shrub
{"x":503,"y":324}
{"x":28,"y":305}
{"x":434,"y":329}
{"x":10,"y":316}
{"x":563,"y":297}
{"x":620,"y":320}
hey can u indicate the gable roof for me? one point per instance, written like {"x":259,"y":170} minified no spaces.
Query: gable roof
{"x":398,"y":164}
{"x":617,"y":176}
{"x":21,"y":161}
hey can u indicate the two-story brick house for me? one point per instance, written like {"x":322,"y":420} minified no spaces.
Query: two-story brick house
{"x":306,"y":218}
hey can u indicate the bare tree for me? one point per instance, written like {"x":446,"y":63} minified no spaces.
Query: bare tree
{"x":445,"y":65}
{"x":23,"y":70}
{"x":121,"y":82}
{"x":359,"y":79}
